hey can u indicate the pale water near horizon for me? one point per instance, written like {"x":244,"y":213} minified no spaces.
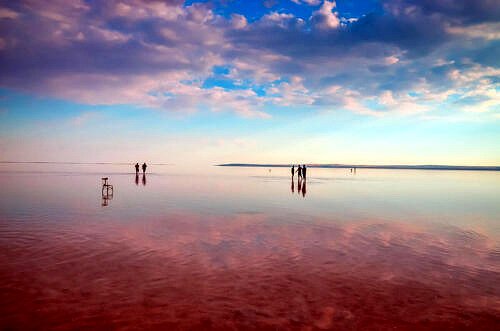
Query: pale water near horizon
{"x":248,"y":249}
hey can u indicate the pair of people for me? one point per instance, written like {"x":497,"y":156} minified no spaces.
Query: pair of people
{"x":144,"y":166}
{"x":302,"y":171}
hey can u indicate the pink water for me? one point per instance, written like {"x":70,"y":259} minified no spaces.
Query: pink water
{"x":236,"y":249}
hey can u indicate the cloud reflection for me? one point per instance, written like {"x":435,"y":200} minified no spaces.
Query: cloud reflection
{"x":247,"y":271}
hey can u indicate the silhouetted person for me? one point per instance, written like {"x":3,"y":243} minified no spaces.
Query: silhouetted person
{"x":293,"y":187}
{"x":304,"y":188}
{"x":293,"y":171}
{"x":144,"y":166}
{"x":299,"y":171}
{"x":304,"y":170}
{"x":137,"y":168}
{"x":144,"y":179}
{"x":137,"y":178}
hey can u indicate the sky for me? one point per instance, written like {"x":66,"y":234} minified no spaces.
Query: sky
{"x":273,"y":81}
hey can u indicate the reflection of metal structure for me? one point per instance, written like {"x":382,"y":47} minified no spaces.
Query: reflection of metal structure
{"x":105,"y":199}
{"x":107,"y":191}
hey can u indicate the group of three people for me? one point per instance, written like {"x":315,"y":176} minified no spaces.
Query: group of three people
{"x":301,"y":171}
{"x":144,"y":166}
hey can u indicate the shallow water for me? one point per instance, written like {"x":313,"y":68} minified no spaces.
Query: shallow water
{"x":247,"y":249}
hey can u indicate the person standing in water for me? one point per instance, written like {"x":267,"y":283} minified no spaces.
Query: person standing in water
{"x":293,"y":170}
{"x":304,"y":171}
{"x":144,"y":166}
{"x":137,"y":168}
{"x":299,"y":171}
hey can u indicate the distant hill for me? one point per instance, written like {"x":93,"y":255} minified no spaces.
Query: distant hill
{"x":367,"y":166}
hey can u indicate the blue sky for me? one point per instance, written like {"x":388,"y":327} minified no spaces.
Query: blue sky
{"x":401,"y":81}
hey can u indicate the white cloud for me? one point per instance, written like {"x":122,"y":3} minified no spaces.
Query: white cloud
{"x":238,"y":21}
{"x":389,"y":60}
{"x":488,"y":31}
{"x":279,"y":19}
{"x":325,"y":17}
{"x":308,"y":2}
{"x":387,"y":99}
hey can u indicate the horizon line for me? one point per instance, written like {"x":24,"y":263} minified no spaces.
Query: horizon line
{"x":81,"y":163}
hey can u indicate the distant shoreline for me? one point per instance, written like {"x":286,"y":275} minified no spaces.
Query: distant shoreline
{"x":365,"y":166}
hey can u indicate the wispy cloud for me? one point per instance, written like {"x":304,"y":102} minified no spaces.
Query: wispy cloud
{"x":85,"y":117}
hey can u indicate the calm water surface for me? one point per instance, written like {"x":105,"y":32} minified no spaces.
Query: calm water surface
{"x":248,"y":249}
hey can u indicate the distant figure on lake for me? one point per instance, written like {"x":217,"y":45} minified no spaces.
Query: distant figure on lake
{"x":293,"y":170}
{"x":137,"y":168}
{"x":144,"y":166}
{"x":304,"y":170}
{"x":299,"y":171}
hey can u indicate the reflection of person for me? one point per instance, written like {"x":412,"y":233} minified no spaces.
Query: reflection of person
{"x":299,"y":185}
{"x":144,"y":166}
{"x":137,"y":178}
{"x":137,"y":168}
{"x":304,"y":188}
{"x":293,"y":170}
{"x":304,"y":171}
{"x":144,"y":179}
{"x":293,"y":187}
